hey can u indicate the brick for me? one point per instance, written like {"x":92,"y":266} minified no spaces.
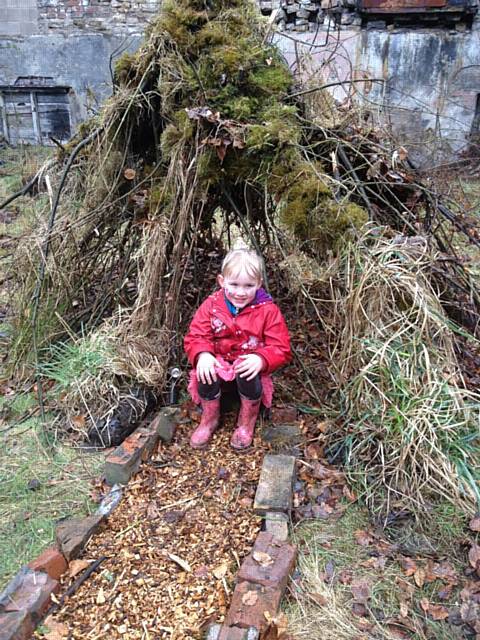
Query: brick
{"x":28,"y":591}
{"x":165,"y":424}
{"x":244,"y":615}
{"x":274,"y":491}
{"x":236,"y":633}
{"x":51,"y":561}
{"x":275,"y":574}
{"x":276,"y":523}
{"x":122,"y":463}
{"x":72,"y":535}
{"x":16,"y":625}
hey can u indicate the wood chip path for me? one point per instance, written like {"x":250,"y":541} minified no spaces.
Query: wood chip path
{"x":173,"y":545}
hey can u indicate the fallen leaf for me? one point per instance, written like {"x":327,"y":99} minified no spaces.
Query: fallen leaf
{"x":359,"y":609}
{"x":220,"y":571}
{"x":424,"y":603}
{"x":470,"y":612}
{"x":408,"y":565}
{"x":100,"y":596}
{"x":438,"y":611}
{"x":330,"y":569}
{"x":445,"y":592}
{"x":181,"y":563}
{"x":78,"y":421}
{"x":375,"y":562}
{"x":262,"y":558}
{"x":403,"y":609}
{"x":76,"y":566}
{"x":250,"y":598}
{"x":474,"y":523}
{"x":349,"y":494}
{"x":345,"y":576}
{"x":360,"y":590}
{"x":56,"y":630}
{"x":363,"y":538}
{"x":474,"y":556}
{"x":419,"y":577}
{"x":277,"y":627}
{"x":319,"y":599}
{"x":152,"y":511}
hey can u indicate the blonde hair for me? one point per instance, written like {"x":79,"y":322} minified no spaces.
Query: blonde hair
{"x":241,"y":258}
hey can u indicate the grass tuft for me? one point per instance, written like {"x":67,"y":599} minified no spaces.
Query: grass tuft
{"x":410,"y":428}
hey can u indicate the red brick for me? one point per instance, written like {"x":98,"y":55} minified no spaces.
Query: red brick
{"x":275,"y":574}
{"x":244,"y":615}
{"x":29,"y":591}
{"x":51,"y":561}
{"x":16,"y":625}
{"x":72,"y":535}
{"x":122,"y":463}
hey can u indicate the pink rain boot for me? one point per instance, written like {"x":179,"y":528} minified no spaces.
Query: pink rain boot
{"x":243,"y":435}
{"x":209,"y":422}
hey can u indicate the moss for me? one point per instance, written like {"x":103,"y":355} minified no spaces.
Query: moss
{"x":242,"y":108}
{"x":209,"y":169}
{"x":180,"y":130}
{"x":125,"y":69}
{"x":181,"y":20}
{"x":160,"y":197}
{"x":273,"y":80}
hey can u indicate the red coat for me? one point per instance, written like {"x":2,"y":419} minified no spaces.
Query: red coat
{"x":259,"y":328}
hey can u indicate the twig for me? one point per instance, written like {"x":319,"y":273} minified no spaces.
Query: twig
{"x":331,"y":84}
{"x":21,"y":192}
{"x":74,"y":587}
{"x":43,"y":264}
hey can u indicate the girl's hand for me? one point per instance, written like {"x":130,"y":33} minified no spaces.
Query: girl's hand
{"x":250,"y":366}
{"x":206,"y":368}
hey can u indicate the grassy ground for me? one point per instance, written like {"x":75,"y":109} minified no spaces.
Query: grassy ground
{"x":42,"y":477}
{"x":41,"y":482}
{"x":354,"y":587}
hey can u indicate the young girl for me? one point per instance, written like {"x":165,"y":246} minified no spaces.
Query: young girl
{"x":237,"y":336}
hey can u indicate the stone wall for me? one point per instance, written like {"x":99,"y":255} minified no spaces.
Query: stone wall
{"x":115,"y":17}
{"x":18,"y":17}
{"x":425,"y":81}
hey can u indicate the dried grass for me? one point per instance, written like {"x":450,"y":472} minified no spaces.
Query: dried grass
{"x":410,"y":428}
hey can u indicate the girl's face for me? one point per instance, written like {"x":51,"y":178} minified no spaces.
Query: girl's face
{"x":240,"y":289}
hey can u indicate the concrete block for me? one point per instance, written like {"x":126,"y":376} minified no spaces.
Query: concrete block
{"x":213,"y":632}
{"x":165,"y":423}
{"x":236,"y":633}
{"x":274,"y":491}
{"x":276,"y":523}
{"x":72,"y":535}
{"x":110,"y":502}
{"x":249,"y":604}
{"x":51,"y":561}
{"x":122,"y":463}
{"x":232,"y":633}
{"x":270,"y":562}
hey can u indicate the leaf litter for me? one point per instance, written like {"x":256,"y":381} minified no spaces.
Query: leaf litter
{"x":173,"y":546}
{"x":353,"y":570}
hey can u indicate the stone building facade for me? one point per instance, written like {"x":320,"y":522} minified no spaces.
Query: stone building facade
{"x":421,"y":66}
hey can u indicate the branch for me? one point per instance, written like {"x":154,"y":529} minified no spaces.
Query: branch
{"x":44,"y":256}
